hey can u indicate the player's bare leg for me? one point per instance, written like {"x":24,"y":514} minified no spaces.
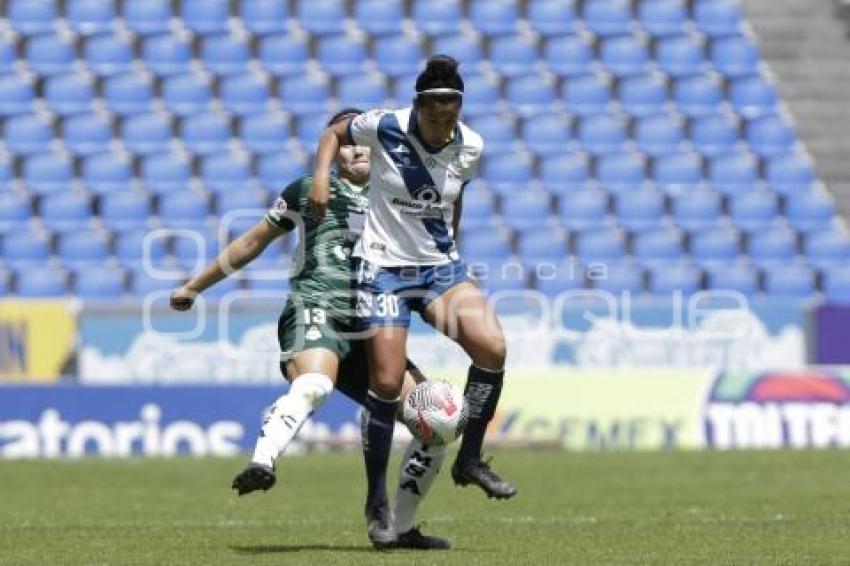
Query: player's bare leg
{"x":463,"y":314}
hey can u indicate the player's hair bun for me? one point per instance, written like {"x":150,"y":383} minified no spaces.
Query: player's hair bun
{"x":440,"y":72}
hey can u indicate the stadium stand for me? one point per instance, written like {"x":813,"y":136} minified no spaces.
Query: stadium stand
{"x":648,"y":134}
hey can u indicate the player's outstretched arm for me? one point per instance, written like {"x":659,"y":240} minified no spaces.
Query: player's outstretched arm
{"x":332,"y":139}
{"x":236,"y":255}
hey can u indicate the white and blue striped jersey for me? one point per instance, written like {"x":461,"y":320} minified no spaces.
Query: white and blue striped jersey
{"x":413,"y":189}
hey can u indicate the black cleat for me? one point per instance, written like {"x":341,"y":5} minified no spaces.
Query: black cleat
{"x":414,"y":539}
{"x":252,"y":478}
{"x":478,"y":472}
{"x":379,"y":526}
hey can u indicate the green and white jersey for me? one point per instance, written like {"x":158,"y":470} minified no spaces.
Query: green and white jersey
{"x":323,"y":271}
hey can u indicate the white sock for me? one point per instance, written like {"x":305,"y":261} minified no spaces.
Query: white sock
{"x":419,"y":467}
{"x":284,"y":418}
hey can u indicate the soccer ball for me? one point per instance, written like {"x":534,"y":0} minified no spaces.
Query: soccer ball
{"x":435,"y":412}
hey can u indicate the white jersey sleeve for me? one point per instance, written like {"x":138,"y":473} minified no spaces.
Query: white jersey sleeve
{"x":363,"y":128}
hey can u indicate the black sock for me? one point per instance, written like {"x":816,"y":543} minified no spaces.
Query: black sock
{"x":377,"y":430}
{"x":483,"y":388}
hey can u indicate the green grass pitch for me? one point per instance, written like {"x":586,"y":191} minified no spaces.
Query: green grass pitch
{"x":651,"y":508}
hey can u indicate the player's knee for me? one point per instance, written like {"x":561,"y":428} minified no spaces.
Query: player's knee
{"x":314,"y":388}
{"x":386,"y":386}
{"x":492,"y":354}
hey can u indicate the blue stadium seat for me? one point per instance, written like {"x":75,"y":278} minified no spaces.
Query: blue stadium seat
{"x":624,"y":55}
{"x":754,"y":210}
{"x":789,"y":282}
{"x":321,"y":17}
{"x":261,"y":17}
{"x":735,"y":56}
{"x":205,"y":16}
{"x":130,"y":248}
{"x":68,"y":94}
{"x":481,"y":95}
{"x":304,"y":94}
{"x":714,"y":246}
{"x":463,"y":47}
{"x":28,"y":133}
{"x":753,"y":96}
{"x":608,"y":17}
{"x":106,"y":173}
{"x":107,"y":55}
{"x":90,"y":17}
{"x":276,"y":284}
{"x":143,"y":283}
{"x":680,"y":56}
{"x":146,"y":133}
{"x":733,"y":277}
{"x":66,"y":211}
{"x":552,"y":17}
{"x":485,"y":247}
{"x":82,"y":248}
{"x":569,"y":55}
{"x":25,"y":248}
{"x":276,"y":170}
{"x":507,"y":172}
{"x":8,"y":57}
{"x":494,"y":17}
{"x":641,"y":95}
{"x":526,"y":210}
{"x":497,"y":129}
{"x":620,"y":278}
{"x":5,"y":282}
{"x":41,"y":281}
{"x":542,"y":245}
{"x":241,"y":200}
{"x":583,"y":209}
{"x":244,"y":94}
{"x":221,"y":289}
{"x":397,"y":55}
{"x":309,"y":129}
{"x":239,"y":224}
{"x":205,"y":133}
{"x":15,"y":212}
{"x":342,"y":55}
{"x":696,"y":210}
{"x":588,"y":94}
{"x":602,"y":245}
{"x":791,"y":173}
{"x":777,"y":246}
{"x":165,"y":172}
{"x":222,"y":172}
{"x":128,"y":94}
{"x":283,"y":54}
{"x":662,"y":17}
{"x":166,"y":55}
{"x":478,"y":208}
{"x":717,"y":17}
{"x":836,"y":284}
{"x":501,"y":276}
{"x":30,"y":17}
{"x":810,"y":211}
{"x":826,"y":248}
{"x":677,"y":172}
{"x":640,"y":209}
{"x":191,"y":253}
{"x":100,"y":282}
{"x":85,"y":134}
{"x":530,"y":95}
{"x":264,"y":132}
{"x":147,"y":17}
{"x":7,"y":176}
{"x":546,"y":134}
{"x":733,"y":173}
{"x":697,"y":95}
{"x":715,"y":134}
{"x":49,"y":54}
{"x":659,"y":134}
{"x":435,"y":17}
{"x":657,"y":246}
{"x":183,"y":209}
{"x":563,"y":174}
{"x":46,"y":173}
{"x":225,"y":54}
{"x":680,"y":277}
{"x":621,"y":172}
{"x":379,"y":17}
{"x":559,"y":277}
{"x":125,"y":210}
{"x":513,"y":55}
{"x":404,"y":88}
{"x":770,"y":135}
{"x":187,"y":94}
{"x":602,"y":133}
{"x":362,"y":91}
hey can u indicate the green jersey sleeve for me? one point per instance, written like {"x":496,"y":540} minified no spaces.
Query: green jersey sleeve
{"x":288,"y":205}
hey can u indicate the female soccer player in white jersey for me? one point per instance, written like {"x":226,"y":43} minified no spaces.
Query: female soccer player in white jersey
{"x":421,"y":159}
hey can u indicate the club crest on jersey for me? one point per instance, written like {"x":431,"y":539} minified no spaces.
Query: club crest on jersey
{"x":280,"y":205}
{"x":313,"y":334}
